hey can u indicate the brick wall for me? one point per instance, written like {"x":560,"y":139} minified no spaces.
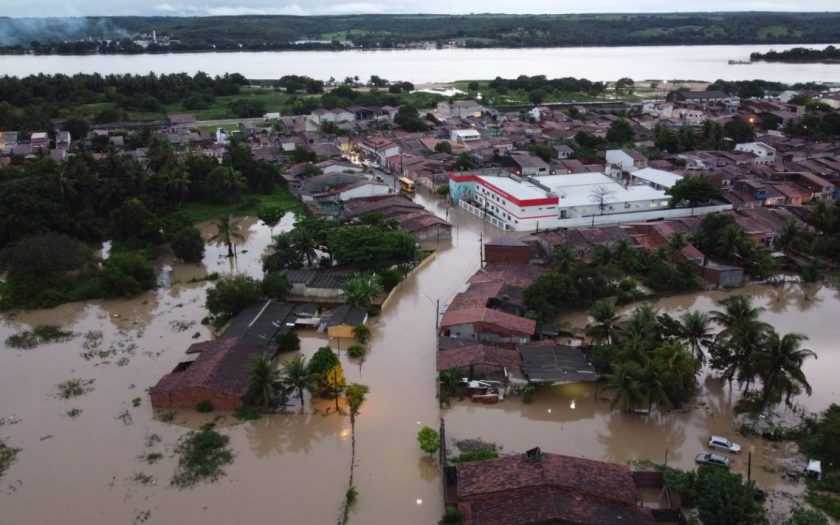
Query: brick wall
{"x":188,"y":398}
{"x":507,"y":254}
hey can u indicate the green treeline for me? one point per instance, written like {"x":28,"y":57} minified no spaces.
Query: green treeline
{"x":247,"y":33}
{"x":799,"y":54}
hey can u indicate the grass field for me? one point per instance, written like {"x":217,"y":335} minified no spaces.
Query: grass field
{"x":250,"y":203}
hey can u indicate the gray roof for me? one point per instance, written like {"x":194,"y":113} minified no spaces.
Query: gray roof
{"x":546,"y":362}
{"x":260,"y":323}
{"x":349,"y":315}
{"x":315,"y":279}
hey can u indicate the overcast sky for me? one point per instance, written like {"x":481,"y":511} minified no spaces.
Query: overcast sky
{"x":39,"y":8}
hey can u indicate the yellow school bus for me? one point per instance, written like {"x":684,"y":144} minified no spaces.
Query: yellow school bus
{"x":407,"y":185}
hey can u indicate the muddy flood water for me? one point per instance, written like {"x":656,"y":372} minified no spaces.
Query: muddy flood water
{"x":293,"y":468}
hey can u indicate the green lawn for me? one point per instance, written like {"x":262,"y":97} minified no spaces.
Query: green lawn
{"x":251,"y":202}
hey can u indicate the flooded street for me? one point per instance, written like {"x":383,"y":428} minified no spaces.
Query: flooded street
{"x":293,"y":468}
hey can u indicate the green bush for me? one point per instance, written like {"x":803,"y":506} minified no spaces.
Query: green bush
{"x":527,"y":393}
{"x":476,"y":455}
{"x":828,"y":504}
{"x":288,"y":342}
{"x":188,"y":245}
{"x":232,"y":295}
{"x":801,"y":516}
{"x":389,"y":278}
{"x":202,"y":454}
{"x":429,"y":440}
{"x":204,"y":406}
{"x":276,"y":286}
{"x":127,"y":274}
{"x":356,"y":351}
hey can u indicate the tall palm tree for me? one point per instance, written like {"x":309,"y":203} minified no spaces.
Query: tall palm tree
{"x":740,"y":338}
{"x":563,"y":259}
{"x":229,"y":232}
{"x":261,"y":380}
{"x":696,"y":333}
{"x":729,"y":243}
{"x":626,"y":256}
{"x":606,"y":319}
{"x":178,"y":184}
{"x":305,"y":244}
{"x":779,"y":363}
{"x":677,"y":242}
{"x":823,"y":216}
{"x":296,"y":375}
{"x":641,"y":323}
{"x":625,"y":385}
{"x":791,"y":237}
{"x":680,"y":366}
{"x":653,"y":384}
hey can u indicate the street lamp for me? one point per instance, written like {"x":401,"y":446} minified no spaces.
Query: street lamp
{"x":436,"y":303}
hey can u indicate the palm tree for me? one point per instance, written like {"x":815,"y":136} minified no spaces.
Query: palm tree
{"x":823,"y":216}
{"x":228,"y":234}
{"x":261,"y":380}
{"x":305,"y":244}
{"x":606,"y":318}
{"x":677,"y":242}
{"x":652,"y":384}
{"x":695,"y":332}
{"x":741,"y":337}
{"x":680,"y":367}
{"x":178,"y":184}
{"x":362,"y":289}
{"x":624,"y":383}
{"x":296,"y":375}
{"x":729,"y":243}
{"x":779,"y":363}
{"x":563,"y":259}
{"x":626,"y":256}
{"x":642,"y":324}
{"x":791,"y":237}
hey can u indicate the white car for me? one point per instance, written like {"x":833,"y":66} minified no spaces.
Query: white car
{"x":721,"y":443}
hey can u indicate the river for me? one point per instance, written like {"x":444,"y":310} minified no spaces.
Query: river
{"x":293,"y":468}
{"x":446,"y":65}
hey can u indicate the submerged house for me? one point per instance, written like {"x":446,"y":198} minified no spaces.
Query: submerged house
{"x":537,"y":488}
{"x":487,"y":325}
{"x":345,"y":318}
{"x":214,"y":370}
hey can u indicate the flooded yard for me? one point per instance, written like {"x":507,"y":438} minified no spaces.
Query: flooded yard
{"x":294,"y":467}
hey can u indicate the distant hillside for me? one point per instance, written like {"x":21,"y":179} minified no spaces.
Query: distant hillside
{"x":278,"y":32}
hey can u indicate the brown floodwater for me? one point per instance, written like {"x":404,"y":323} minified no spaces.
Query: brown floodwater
{"x":294,"y":467}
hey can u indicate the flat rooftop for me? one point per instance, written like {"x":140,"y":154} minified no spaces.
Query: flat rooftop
{"x":659,"y":177}
{"x":576,"y":189}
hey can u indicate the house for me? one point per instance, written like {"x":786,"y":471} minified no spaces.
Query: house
{"x":344,"y":319}
{"x":627,"y":160}
{"x":656,"y":179}
{"x":182,"y":121}
{"x":314,"y":284}
{"x":464,"y":136}
{"x":39,"y":140}
{"x":528,"y":165}
{"x":497,"y":295}
{"x":764,"y":154}
{"x":319,"y":117}
{"x":550,"y":363}
{"x":698,"y":96}
{"x":487,"y":325}
{"x":722,"y":275}
{"x":215,"y":371}
{"x":563,"y":152}
{"x":506,"y":250}
{"x":379,"y":148}
{"x":460,"y":108}
{"x":62,"y":140}
{"x":540,"y":488}
{"x":478,"y":361}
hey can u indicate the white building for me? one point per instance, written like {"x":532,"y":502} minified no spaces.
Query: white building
{"x":561,"y":201}
{"x":764,"y":154}
{"x":627,"y":160}
{"x":656,"y":179}
{"x":321,"y":116}
{"x":464,"y":136}
{"x":379,"y":148}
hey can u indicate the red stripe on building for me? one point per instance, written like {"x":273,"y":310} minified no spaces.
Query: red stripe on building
{"x":520,"y":202}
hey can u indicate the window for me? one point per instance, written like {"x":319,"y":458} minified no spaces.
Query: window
{"x":653,"y":205}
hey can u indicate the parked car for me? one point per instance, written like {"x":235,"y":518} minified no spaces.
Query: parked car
{"x":721,"y":443}
{"x":712,"y":459}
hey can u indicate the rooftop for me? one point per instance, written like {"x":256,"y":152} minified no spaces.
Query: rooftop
{"x":507,"y":322}
{"x":546,"y":362}
{"x":467,"y":356}
{"x":659,"y":177}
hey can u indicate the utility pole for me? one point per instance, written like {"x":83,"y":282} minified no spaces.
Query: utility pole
{"x":437,"y":315}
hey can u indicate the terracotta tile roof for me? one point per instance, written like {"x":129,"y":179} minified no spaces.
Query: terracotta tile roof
{"x":517,"y":274}
{"x":478,"y":355}
{"x":220,"y":366}
{"x":484,"y":316}
{"x":552,"y":489}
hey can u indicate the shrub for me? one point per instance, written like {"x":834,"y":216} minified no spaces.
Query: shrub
{"x":527,"y":393}
{"x":127,"y":274}
{"x":231,"y":296}
{"x":288,"y":342}
{"x":276,"y":286}
{"x":45,"y":333}
{"x":476,"y":455}
{"x":361,"y":333}
{"x":204,"y":406}
{"x":7,"y":457}
{"x":202,"y":453}
{"x":429,"y":440}
{"x":188,"y":245}
{"x":389,"y":278}
{"x":451,"y":516}
{"x":356,"y":351}
{"x":74,"y":388}
{"x":801,"y":516}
